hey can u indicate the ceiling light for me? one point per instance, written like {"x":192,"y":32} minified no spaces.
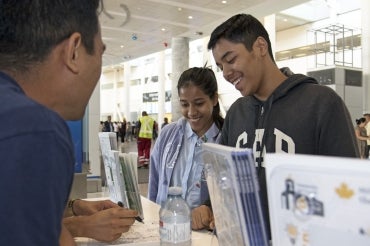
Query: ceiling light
{"x":163,"y":29}
{"x":224,"y":2}
{"x":122,"y":46}
{"x":190,"y":17}
{"x":179,"y":9}
{"x":285,"y":19}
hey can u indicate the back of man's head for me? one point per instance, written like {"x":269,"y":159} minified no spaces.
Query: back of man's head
{"x":30,"y":29}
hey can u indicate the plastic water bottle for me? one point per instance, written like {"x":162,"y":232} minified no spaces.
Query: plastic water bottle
{"x":175,"y":220}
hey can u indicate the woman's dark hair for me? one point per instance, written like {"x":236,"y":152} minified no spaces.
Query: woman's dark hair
{"x":240,"y":28}
{"x":30,"y":29}
{"x":205,"y":79}
{"x":361,"y":120}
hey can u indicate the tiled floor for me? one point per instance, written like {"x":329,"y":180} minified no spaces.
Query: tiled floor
{"x":143,"y":189}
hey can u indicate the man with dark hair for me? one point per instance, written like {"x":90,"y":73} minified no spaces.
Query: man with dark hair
{"x":108,"y":125}
{"x":50,"y":61}
{"x":165,"y":122}
{"x":277,"y":113}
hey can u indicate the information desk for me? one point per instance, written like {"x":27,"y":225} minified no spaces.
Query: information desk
{"x":147,"y":234}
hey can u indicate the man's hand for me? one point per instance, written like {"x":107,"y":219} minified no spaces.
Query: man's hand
{"x":106,"y":225}
{"x":82,"y":207}
{"x":202,"y":218}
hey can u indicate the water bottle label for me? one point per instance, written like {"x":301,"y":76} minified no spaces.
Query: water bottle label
{"x":175,"y":233}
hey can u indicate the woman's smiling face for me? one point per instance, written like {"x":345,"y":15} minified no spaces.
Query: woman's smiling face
{"x":197,"y":108}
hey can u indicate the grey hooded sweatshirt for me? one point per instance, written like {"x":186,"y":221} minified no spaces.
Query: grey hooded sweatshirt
{"x":300,"y":116}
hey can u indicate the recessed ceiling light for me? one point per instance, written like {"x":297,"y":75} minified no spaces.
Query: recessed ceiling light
{"x":285,"y":19}
{"x":122,"y":46}
{"x":224,"y":2}
{"x":190,"y":17}
{"x":163,"y":29}
{"x":179,"y":9}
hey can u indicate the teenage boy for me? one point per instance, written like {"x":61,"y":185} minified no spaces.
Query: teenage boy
{"x":277,"y":113}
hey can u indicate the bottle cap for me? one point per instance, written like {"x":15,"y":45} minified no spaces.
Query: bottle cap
{"x":174,"y":191}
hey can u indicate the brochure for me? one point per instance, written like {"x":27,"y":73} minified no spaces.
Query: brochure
{"x":234,"y":192}
{"x":121,"y":173}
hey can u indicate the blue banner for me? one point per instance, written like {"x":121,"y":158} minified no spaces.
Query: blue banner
{"x":76,"y":132}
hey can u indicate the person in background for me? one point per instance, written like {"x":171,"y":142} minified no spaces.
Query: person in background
{"x":277,"y":113}
{"x":165,"y":122}
{"x":361,"y":136}
{"x":129,"y":132}
{"x":104,"y":221}
{"x":176,"y":158}
{"x":101,"y":126}
{"x":134,"y":126}
{"x":367,"y":126}
{"x":144,"y":141}
{"x":122,"y":130}
{"x":108,"y":125}
{"x":116,"y":129}
{"x":155,"y":131}
{"x":50,"y":62}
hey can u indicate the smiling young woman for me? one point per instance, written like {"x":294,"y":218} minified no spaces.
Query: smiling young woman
{"x":176,"y":156}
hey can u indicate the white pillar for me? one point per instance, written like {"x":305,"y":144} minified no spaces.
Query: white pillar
{"x":93,"y":130}
{"x":161,"y":88}
{"x":142,"y":68}
{"x":115,"y":114}
{"x":180,"y":62}
{"x":365,"y":43}
{"x":126,"y":91}
{"x":206,"y":54}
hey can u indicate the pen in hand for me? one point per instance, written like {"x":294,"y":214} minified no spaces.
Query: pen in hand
{"x":137,"y":218}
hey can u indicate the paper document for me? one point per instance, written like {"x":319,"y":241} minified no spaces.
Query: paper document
{"x":318,"y":201}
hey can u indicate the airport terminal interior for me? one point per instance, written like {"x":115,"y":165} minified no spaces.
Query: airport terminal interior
{"x":149,"y":40}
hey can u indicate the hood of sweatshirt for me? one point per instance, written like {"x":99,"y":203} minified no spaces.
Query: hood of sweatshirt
{"x":258,"y":112}
{"x":263,"y":107}
{"x":283,"y":89}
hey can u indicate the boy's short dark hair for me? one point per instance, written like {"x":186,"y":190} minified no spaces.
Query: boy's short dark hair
{"x":241,"y":28}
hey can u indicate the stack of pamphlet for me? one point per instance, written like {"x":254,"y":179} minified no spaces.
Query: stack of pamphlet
{"x":318,"y":200}
{"x":121,"y":173}
{"x":234,"y":192}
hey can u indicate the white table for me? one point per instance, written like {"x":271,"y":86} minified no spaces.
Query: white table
{"x":147,"y":234}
